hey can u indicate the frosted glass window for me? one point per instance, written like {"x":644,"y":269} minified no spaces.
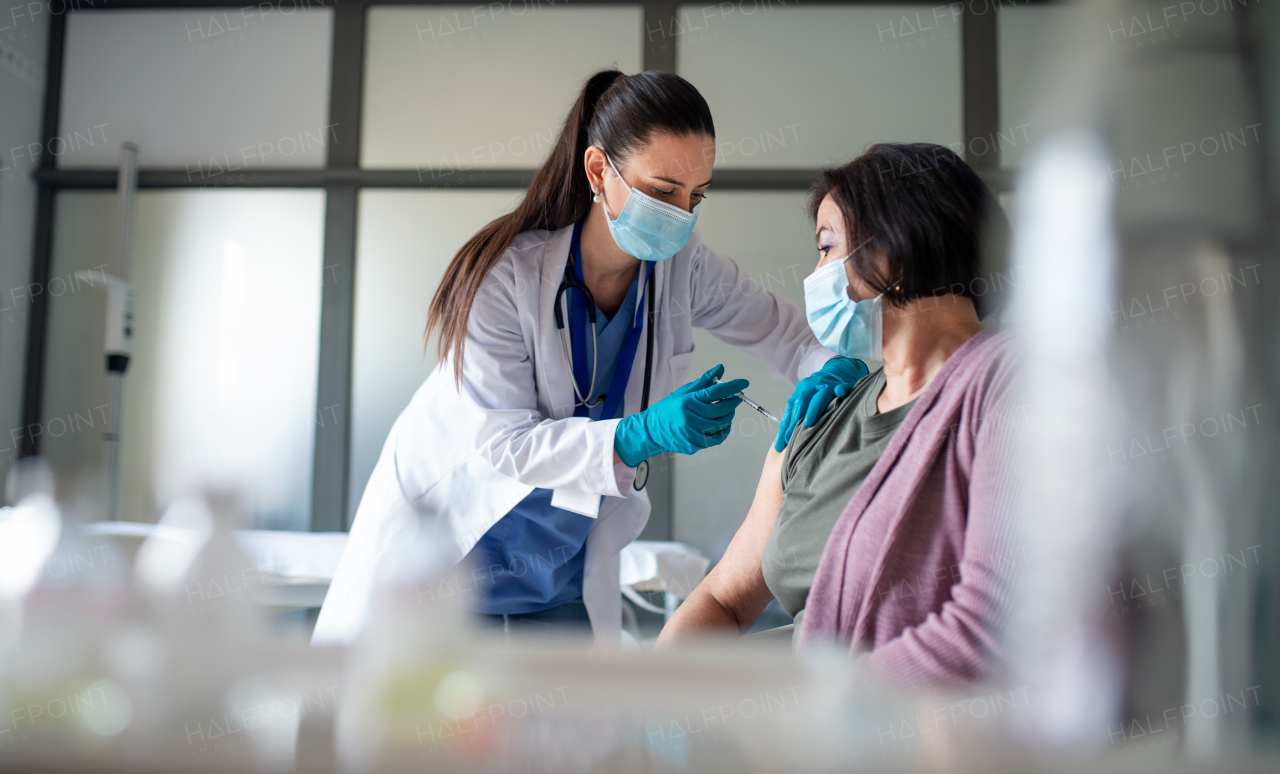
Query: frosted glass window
{"x":221,"y":387}
{"x":405,"y":240}
{"x":813,"y":86}
{"x":1030,"y":39}
{"x":770,"y":237}
{"x":473,"y":86}
{"x":211,"y":91}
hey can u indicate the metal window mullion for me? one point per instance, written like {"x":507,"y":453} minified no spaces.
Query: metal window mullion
{"x":331,"y":468}
{"x":42,"y":250}
{"x":980,"y":87}
{"x":789,"y":179}
{"x":658,"y":35}
{"x":658,"y":43}
{"x":249,"y":9}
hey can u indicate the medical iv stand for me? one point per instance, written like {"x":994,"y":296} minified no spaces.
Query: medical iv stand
{"x":118,"y":344}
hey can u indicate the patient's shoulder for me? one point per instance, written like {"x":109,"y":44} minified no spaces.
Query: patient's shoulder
{"x":989,"y":380}
{"x":994,"y":364}
{"x":838,"y":415}
{"x":873,"y":382}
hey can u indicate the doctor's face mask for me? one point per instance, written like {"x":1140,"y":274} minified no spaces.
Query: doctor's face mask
{"x":647,"y":228}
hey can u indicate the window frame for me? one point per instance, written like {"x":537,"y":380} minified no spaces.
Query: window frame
{"x":342,"y":178}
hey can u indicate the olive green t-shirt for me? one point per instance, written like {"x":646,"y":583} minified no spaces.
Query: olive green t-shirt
{"x":823,"y":468}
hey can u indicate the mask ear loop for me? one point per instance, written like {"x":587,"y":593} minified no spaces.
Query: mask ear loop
{"x":620,"y":177}
{"x":615,"y":171}
{"x":841,"y":263}
{"x":850,"y":254}
{"x":897,"y":283}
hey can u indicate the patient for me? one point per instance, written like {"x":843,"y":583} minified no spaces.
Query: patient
{"x":885,"y":526}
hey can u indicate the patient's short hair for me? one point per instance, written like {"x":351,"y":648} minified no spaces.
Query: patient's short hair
{"x":921,"y":207}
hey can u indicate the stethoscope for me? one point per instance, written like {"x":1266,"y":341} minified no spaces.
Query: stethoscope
{"x":571,"y":282}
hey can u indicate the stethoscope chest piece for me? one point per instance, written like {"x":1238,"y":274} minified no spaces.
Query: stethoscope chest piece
{"x":642,"y":475}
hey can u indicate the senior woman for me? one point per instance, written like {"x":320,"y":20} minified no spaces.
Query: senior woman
{"x":886,"y":525}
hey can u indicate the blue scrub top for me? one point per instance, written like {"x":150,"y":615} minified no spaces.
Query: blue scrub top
{"x":534,"y":557}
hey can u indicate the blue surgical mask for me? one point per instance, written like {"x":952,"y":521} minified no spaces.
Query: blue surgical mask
{"x":649,"y":229}
{"x":842,"y":325}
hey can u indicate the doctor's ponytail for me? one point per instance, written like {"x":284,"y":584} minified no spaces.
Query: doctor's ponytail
{"x":616,"y":112}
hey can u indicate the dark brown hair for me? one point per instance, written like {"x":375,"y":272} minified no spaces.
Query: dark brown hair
{"x":616,"y":112}
{"x":923,"y":209}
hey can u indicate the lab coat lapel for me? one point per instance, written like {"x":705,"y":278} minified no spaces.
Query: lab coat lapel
{"x":657,"y":380}
{"x":555,"y":373}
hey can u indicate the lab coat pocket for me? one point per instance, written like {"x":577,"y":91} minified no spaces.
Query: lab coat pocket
{"x":680,"y":367}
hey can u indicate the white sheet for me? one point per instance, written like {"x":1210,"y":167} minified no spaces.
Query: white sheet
{"x":299,"y":557}
{"x":296,"y":556}
{"x":663,"y":565}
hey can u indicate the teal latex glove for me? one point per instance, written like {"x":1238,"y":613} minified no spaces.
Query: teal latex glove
{"x":695,"y":416}
{"x":814,"y":394}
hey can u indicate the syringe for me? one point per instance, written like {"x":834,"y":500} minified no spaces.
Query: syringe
{"x":756,"y":406}
{"x":753,"y":404}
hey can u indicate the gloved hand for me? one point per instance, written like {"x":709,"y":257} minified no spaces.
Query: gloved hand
{"x":815,"y":392}
{"x":695,"y":416}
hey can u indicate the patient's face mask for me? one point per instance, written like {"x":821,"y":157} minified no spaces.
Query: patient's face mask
{"x":649,"y":229}
{"x":842,"y":325}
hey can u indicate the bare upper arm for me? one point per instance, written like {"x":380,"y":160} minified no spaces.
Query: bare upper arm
{"x":737,"y":582}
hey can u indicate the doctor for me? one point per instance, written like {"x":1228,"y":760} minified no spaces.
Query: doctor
{"x":565,"y":331}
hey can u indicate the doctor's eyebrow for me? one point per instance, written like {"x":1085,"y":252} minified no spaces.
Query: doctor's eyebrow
{"x":677,"y":183}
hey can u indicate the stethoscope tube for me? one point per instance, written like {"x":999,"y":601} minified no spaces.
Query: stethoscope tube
{"x":571,"y":282}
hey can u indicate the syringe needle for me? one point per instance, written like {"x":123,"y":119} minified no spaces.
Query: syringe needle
{"x":756,"y":406}
{"x":753,"y":404}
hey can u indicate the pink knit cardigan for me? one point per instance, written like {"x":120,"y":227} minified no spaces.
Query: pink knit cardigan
{"x":916,"y":574}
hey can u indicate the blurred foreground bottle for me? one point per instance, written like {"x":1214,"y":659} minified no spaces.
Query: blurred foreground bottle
{"x":1142,"y":244}
{"x":60,"y":597}
{"x":202,"y":663}
{"x":416,"y":682}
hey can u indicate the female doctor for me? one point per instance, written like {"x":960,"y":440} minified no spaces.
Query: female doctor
{"x":565,"y":329}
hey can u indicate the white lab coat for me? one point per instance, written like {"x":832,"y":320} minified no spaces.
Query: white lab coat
{"x":468,"y":456}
